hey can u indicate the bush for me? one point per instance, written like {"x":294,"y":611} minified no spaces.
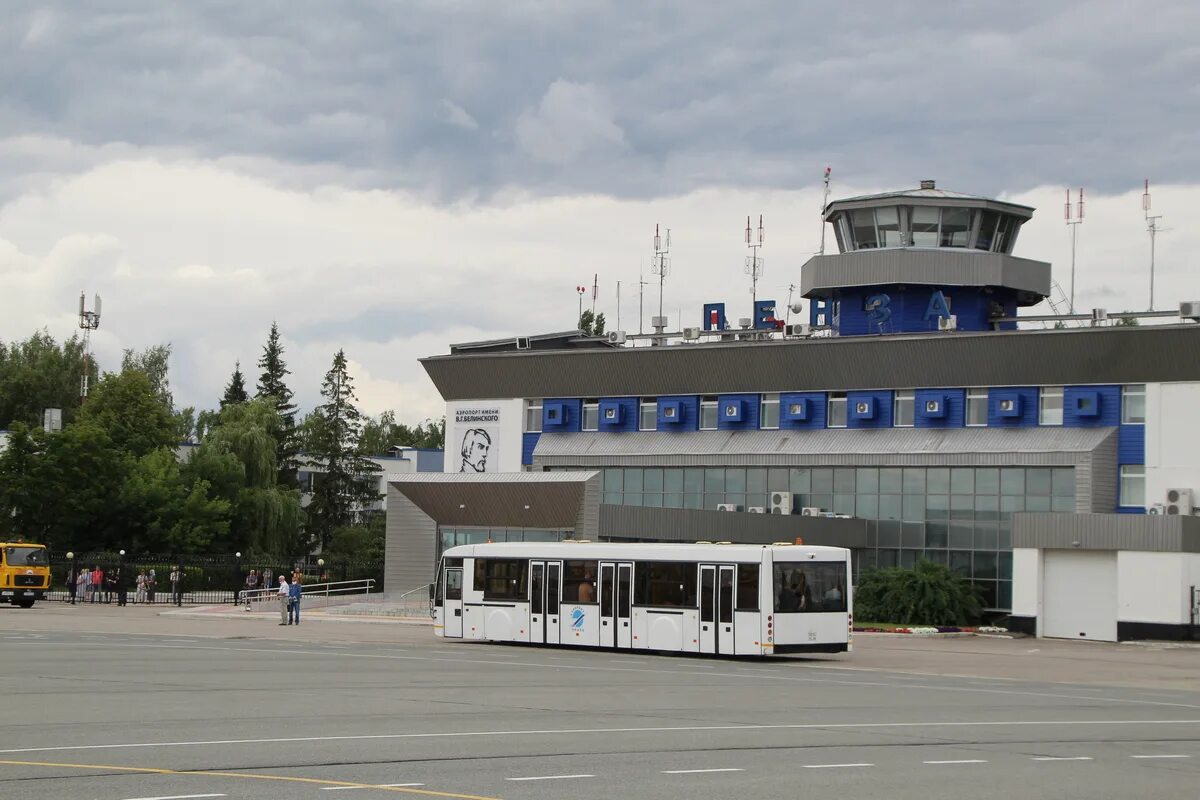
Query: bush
{"x":927,"y":594}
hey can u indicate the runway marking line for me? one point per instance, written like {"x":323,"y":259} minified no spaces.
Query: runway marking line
{"x":835,"y":766}
{"x":691,"y":771}
{"x":550,"y":778}
{"x":178,"y":797}
{"x":249,"y":776}
{"x":1063,"y":758}
{"x":374,"y":786}
{"x":1164,"y":756}
{"x":958,"y":761}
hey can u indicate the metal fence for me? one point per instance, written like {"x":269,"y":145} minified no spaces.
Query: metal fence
{"x":201,"y":579}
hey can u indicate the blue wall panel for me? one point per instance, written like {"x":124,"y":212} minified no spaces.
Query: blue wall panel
{"x":628,"y":414}
{"x":528,"y":442}
{"x":1131,"y":444}
{"x":1027,"y":396}
{"x":750,"y":409}
{"x":690,"y":410}
{"x":883,"y":409}
{"x":816,"y":409}
{"x":573,"y":414}
{"x":1109,"y":415}
{"x":956,"y":401}
{"x":905,"y":309}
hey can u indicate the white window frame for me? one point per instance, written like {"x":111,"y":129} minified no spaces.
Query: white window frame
{"x":904,"y":397}
{"x":837,"y":399}
{"x":709,"y":408}
{"x":1045,"y":393}
{"x":766,"y":401}
{"x":591,"y":408}
{"x":979,"y":396}
{"x":533,"y":416}
{"x":648,"y":404}
{"x":1133,"y":485}
{"x":1133,"y":390}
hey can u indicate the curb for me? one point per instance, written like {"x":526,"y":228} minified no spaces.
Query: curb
{"x":939,"y":630}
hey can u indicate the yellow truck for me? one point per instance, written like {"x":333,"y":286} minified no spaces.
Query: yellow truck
{"x":24,"y":573}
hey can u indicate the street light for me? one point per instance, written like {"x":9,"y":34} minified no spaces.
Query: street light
{"x":73,"y":583}
{"x":322,"y":579}
{"x":237,"y":576}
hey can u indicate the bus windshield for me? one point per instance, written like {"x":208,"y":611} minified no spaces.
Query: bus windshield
{"x":16,"y":556}
{"x":807,"y":586}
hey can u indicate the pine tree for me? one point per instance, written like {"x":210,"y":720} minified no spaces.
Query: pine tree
{"x":348,"y":484}
{"x":235,"y":391}
{"x":271,"y":384}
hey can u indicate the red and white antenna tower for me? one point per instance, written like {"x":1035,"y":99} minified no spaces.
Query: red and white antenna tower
{"x":1074,"y":220}
{"x":754,"y":264}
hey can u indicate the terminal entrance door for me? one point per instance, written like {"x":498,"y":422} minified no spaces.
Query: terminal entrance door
{"x":616,"y":586}
{"x":545,"y":578}
{"x":716,"y":609}
{"x":452,"y":603}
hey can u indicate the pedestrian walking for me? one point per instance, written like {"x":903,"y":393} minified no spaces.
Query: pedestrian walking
{"x":140,"y":594}
{"x":71,"y":585}
{"x":110,"y":585}
{"x":294,"y":592}
{"x":151,"y":586}
{"x":177,"y":586}
{"x":283,"y":594}
{"x":82,"y":581}
{"x":122,"y":584}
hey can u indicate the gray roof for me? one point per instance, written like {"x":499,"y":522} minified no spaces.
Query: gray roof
{"x":980,"y":446}
{"x":927,"y":197}
{"x":497,"y":499}
{"x":821,"y":275}
{"x":1119,"y":355}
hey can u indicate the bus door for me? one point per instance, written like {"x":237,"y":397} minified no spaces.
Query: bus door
{"x":452,"y":603}
{"x":725,"y":591}
{"x":708,"y":606}
{"x":616,"y":604}
{"x":544,"y":579}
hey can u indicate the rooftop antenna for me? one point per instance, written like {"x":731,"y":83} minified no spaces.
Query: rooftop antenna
{"x":788,"y":314}
{"x":661,"y":266}
{"x":618,"y":305}
{"x":1073,"y":223}
{"x":88,"y":321}
{"x":1152,"y":228}
{"x":641,"y":296}
{"x":581,"y":291}
{"x":824,"y":204}
{"x":595,"y":290}
{"x":754,"y":264}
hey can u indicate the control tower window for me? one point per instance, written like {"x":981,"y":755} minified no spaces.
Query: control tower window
{"x":888,"y":221}
{"x":987,"y":230}
{"x":1005,"y":234}
{"x":925,"y":226}
{"x":862,"y":222}
{"x":956,"y":227}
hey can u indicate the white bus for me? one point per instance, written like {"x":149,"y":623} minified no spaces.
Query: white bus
{"x":728,"y":599}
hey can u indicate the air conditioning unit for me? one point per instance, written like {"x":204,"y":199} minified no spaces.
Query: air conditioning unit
{"x":691,"y":334}
{"x":949,"y":323}
{"x":757,"y":510}
{"x":1157,"y":509}
{"x":799,"y":330}
{"x":781,"y":503}
{"x":1190,"y":310}
{"x":933,"y":406}
{"x":1008,"y":404}
{"x":610,"y":413}
{"x":616,"y":337}
{"x":1179,"y":502}
{"x":744,"y":323}
{"x":810,"y":511}
{"x":727,"y":507}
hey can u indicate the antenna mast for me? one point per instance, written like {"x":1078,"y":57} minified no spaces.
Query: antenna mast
{"x":661,"y":265}
{"x":581,"y":291}
{"x":824,"y":204}
{"x":618,"y":305}
{"x":88,"y":321}
{"x":595,"y":290}
{"x":1152,"y":228}
{"x":1073,"y":224}
{"x":754,"y":264}
{"x":641,"y":297}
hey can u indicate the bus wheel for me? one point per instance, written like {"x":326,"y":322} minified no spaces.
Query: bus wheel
{"x":23,"y":602}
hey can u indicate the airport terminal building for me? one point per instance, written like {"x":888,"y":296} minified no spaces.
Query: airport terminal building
{"x":908,"y":417}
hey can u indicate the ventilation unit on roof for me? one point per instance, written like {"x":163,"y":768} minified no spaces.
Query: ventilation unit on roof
{"x":727,"y":507}
{"x":757,"y":510}
{"x":949,"y":323}
{"x":691,"y":334}
{"x":781,"y":503}
{"x":810,"y":511}
{"x":1179,"y":502}
{"x":616,"y":337}
{"x":1190,"y":310}
{"x":796,"y":330}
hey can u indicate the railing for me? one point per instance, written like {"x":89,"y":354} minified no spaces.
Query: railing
{"x":320,"y":594}
{"x":416,"y":600}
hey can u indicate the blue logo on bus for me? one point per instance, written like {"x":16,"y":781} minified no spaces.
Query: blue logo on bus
{"x":577,"y":618}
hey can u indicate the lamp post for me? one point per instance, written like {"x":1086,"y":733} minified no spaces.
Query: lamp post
{"x":237,"y":577}
{"x":322,"y":579}
{"x":74,"y":576}
{"x":119,"y":580}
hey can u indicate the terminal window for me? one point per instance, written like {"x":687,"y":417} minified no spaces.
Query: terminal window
{"x":836,"y":410}
{"x":1133,"y":404}
{"x":1050,"y":406}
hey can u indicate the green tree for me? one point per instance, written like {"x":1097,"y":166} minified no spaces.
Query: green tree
{"x":1127,"y":322}
{"x":174,"y":514}
{"x":235,"y":390}
{"x":271,"y":383}
{"x":126,"y":408}
{"x":383,"y":432}
{"x":359,"y":541}
{"x":927,"y":594}
{"x":38,"y":373}
{"x":591,"y":323}
{"x":154,"y":363}
{"x":347,"y":484}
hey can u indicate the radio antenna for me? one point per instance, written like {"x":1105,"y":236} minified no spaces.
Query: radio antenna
{"x":88,"y":321}
{"x":754,"y":264}
{"x":1073,"y":222}
{"x":1152,"y":228}
{"x":661,"y":266}
{"x":824,"y":205}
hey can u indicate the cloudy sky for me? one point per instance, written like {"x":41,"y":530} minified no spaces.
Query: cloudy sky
{"x":389,"y":178}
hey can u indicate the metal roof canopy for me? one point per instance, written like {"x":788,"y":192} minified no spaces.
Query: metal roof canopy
{"x":1072,"y":356}
{"x":548,"y":500}
{"x":826,"y":447}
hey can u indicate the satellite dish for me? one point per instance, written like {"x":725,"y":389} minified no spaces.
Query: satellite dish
{"x":796,"y":307}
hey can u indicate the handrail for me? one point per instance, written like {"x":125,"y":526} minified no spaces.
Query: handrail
{"x":422,"y":588}
{"x":359,"y":586}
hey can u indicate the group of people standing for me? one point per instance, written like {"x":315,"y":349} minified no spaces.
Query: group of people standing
{"x":97,"y":586}
{"x":289,"y":599}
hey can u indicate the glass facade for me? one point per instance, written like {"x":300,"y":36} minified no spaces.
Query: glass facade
{"x":924,"y":226}
{"x":961,"y":516}
{"x":452,"y":537}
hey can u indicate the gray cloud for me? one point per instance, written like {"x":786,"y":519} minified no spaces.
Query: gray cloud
{"x":466,"y":100}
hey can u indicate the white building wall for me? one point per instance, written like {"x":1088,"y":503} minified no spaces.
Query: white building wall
{"x":1191,"y":577}
{"x":1150,"y":587}
{"x":1172,"y":439}
{"x":501,"y":423}
{"x":1027,"y":582}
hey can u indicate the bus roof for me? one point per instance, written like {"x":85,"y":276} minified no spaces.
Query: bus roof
{"x":652,"y":551}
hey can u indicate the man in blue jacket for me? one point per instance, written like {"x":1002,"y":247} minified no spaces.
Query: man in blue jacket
{"x":294,"y":593}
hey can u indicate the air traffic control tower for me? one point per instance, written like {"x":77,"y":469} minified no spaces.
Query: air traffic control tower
{"x":922,"y":260}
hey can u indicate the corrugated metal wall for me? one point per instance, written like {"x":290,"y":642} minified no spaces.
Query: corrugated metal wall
{"x":1144,"y":532}
{"x":410,"y":545}
{"x":689,"y":525}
